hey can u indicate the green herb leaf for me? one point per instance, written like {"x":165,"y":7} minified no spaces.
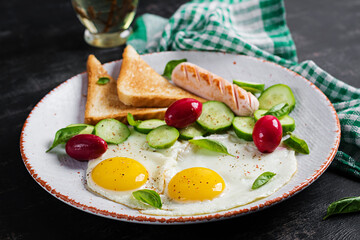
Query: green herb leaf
{"x":131,"y":120}
{"x":103,"y":80}
{"x":250,"y":86}
{"x":296,"y":143}
{"x":148,"y":196}
{"x":88,"y":130}
{"x":64,"y":134}
{"x":210,"y":145}
{"x":262,"y":179}
{"x":279,"y":110}
{"x":345,"y":205}
{"x":170,"y":67}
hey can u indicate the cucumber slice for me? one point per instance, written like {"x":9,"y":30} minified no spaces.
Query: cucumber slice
{"x":243,"y":127}
{"x":279,"y":93}
{"x":112,"y":131}
{"x":215,"y":116}
{"x":259,"y":114}
{"x":250,"y":86}
{"x":88,"y":130}
{"x":148,"y":125}
{"x":162,"y":137}
{"x":191,"y":131}
{"x":287,"y":122}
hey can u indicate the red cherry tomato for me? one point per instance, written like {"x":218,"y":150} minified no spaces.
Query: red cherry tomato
{"x":183,"y":112}
{"x":84,"y":147}
{"x":267,"y":134}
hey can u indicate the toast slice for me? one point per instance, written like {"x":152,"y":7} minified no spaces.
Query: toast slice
{"x":140,"y":86}
{"x":103,"y":102}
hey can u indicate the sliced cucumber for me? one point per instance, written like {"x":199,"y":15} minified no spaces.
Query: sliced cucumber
{"x":148,"y":125}
{"x":287,"y":122}
{"x":279,"y":93}
{"x":88,"y":130}
{"x":243,"y":127}
{"x":250,"y":86}
{"x":259,"y":114}
{"x":112,"y":131}
{"x":162,"y":137}
{"x":215,"y":116}
{"x":191,"y":131}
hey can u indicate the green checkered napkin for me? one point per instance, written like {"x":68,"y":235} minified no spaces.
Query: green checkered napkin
{"x":255,"y":28}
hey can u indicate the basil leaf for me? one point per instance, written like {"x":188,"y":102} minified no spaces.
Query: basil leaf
{"x":210,"y":145}
{"x":296,"y":143}
{"x":345,"y":205}
{"x":64,"y":134}
{"x":279,"y":110}
{"x":103,"y":80}
{"x":262,"y":179}
{"x":148,"y":196}
{"x":170,"y":67}
{"x":131,"y":120}
{"x":88,"y":130}
{"x":250,"y":86}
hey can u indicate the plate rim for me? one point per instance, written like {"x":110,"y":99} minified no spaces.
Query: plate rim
{"x":182,"y":219}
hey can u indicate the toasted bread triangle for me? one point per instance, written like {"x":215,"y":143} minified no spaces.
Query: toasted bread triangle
{"x":103,"y":102}
{"x":139,"y":85}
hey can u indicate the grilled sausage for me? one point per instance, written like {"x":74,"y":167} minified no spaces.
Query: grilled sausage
{"x":212,"y":87}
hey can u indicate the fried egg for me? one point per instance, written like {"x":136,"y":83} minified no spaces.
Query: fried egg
{"x":130,"y":166}
{"x":189,"y":180}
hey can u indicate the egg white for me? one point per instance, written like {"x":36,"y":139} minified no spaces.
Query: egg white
{"x":238,"y":172}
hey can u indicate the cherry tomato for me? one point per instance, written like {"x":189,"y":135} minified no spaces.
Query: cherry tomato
{"x":183,"y":112}
{"x":267,"y":134}
{"x":84,"y":147}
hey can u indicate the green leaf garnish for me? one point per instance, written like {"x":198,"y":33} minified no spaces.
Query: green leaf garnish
{"x":170,"y":67}
{"x":262,"y":179}
{"x":345,"y":205}
{"x":103,"y":80}
{"x":250,"y":86}
{"x":88,"y":130}
{"x":131,"y":120}
{"x":64,"y":134}
{"x":296,"y":143}
{"x":210,"y":145}
{"x":148,"y":196}
{"x":279,"y":110}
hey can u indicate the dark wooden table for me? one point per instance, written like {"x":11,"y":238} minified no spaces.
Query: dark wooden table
{"x":41,"y":45}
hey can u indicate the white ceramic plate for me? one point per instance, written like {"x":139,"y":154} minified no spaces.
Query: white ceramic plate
{"x":64,"y":178}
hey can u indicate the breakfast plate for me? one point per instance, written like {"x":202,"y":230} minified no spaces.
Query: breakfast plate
{"x":64,"y":178}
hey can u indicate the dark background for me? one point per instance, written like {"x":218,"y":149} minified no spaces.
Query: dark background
{"x":41,"y":45}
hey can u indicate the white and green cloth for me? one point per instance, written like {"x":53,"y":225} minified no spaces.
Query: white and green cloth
{"x":255,"y":28}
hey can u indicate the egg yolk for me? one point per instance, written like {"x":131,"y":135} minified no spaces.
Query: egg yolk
{"x":119,"y":174}
{"x":195,"y":184}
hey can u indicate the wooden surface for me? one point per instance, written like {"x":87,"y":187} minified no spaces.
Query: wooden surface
{"x":41,"y":45}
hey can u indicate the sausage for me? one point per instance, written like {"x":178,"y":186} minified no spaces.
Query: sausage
{"x":212,"y":87}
